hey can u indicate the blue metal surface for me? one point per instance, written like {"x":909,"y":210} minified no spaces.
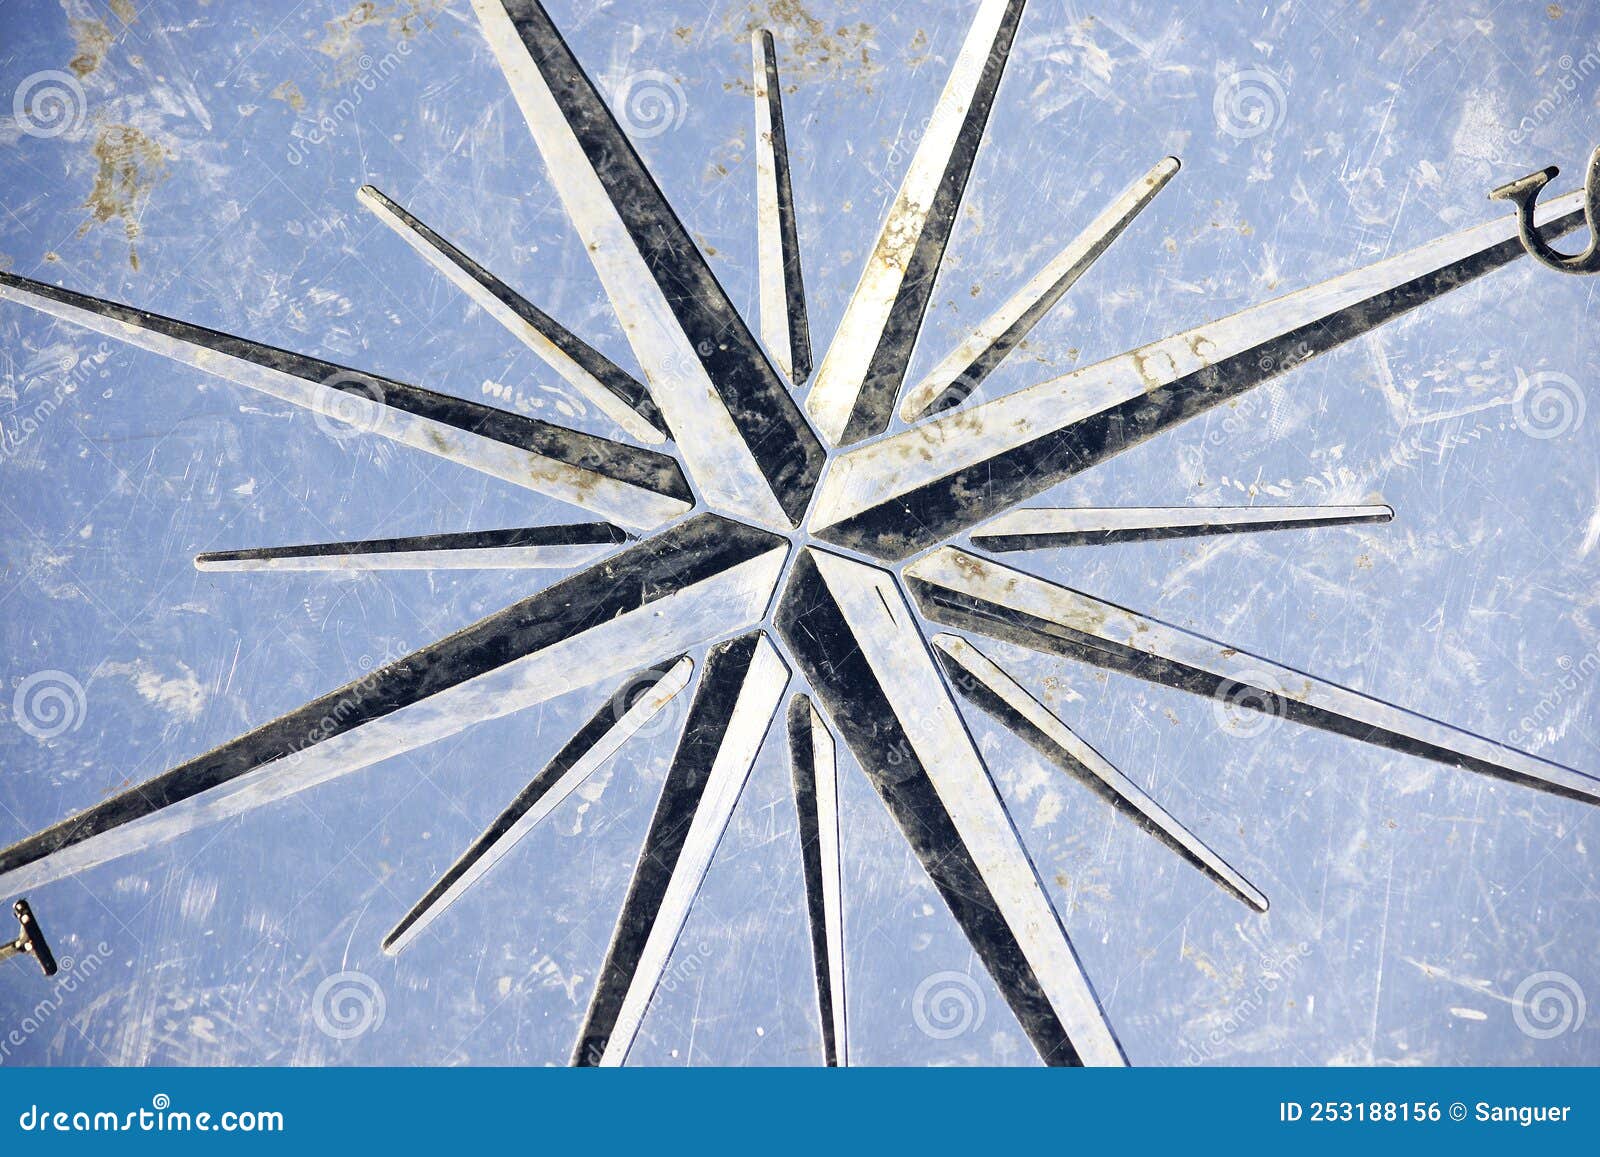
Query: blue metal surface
{"x":207,"y":169}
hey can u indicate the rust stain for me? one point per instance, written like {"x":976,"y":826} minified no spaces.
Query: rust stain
{"x":289,"y":93}
{"x":126,"y":11}
{"x":1154,"y":366}
{"x":130,"y":164}
{"x":971,"y":567}
{"x":917,"y":52}
{"x":91,"y":39}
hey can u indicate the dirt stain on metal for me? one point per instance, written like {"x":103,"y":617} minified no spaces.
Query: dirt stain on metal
{"x":130,"y":164}
{"x":342,"y":41}
{"x":90,"y":39}
{"x":812,"y":49}
{"x":289,"y":93}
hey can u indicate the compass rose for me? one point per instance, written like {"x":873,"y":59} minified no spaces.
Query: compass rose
{"x":823,"y":555}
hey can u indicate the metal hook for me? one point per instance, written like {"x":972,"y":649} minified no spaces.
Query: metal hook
{"x":30,"y":940}
{"x":1524,"y":192}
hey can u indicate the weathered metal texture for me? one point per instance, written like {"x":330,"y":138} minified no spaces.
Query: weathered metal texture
{"x":1381,"y":865}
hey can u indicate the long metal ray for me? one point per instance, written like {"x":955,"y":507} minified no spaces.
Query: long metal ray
{"x":610,"y":388}
{"x":784,"y":327}
{"x":861,"y":373}
{"x":964,"y":591}
{"x":691,"y":583}
{"x":816,"y":796}
{"x":914,"y":489}
{"x":852,"y":632}
{"x":952,"y":381}
{"x":982,"y":680}
{"x":741,"y":433}
{"x":583,"y":755}
{"x":1040,"y":528}
{"x":632,"y":486}
{"x":529,"y":547}
{"x":738,"y":696}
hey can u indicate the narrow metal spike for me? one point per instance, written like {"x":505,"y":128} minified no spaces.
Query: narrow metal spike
{"x":605,"y":384}
{"x":532,"y":547}
{"x":784,"y":328}
{"x":860,"y":375}
{"x":816,"y":795}
{"x":953,"y":380}
{"x":630,"y":485}
{"x":735,"y":423}
{"x":584,"y":754}
{"x":967,"y":592}
{"x":914,"y":489}
{"x":739,"y":694}
{"x":690,"y":583}
{"x":1041,"y":528}
{"x":861,"y":647}
{"x":982,"y":680}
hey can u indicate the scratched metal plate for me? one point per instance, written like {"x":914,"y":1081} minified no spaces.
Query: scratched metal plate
{"x":205,"y":167}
